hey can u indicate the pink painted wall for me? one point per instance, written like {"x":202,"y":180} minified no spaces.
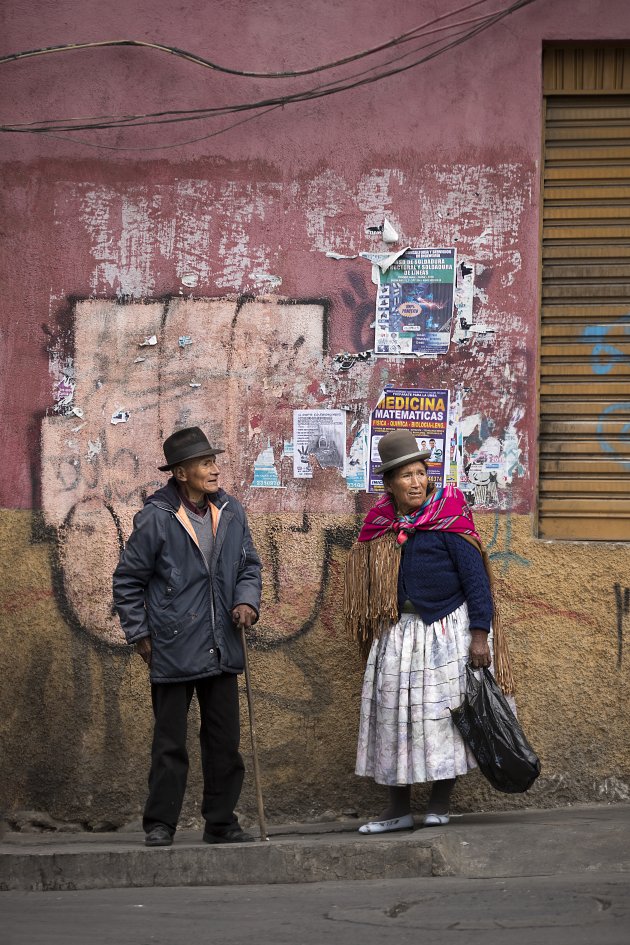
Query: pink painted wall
{"x":449,"y":150}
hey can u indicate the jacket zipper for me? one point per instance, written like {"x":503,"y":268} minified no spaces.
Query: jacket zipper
{"x":211,"y":591}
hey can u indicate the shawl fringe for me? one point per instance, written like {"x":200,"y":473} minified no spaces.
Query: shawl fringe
{"x":371,"y":589}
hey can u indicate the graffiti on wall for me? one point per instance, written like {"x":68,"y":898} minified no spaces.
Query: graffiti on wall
{"x":613,"y":423}
{"x":139,"y":371}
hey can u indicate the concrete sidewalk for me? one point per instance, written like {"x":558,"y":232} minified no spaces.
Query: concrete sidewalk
{"x":519,"y":843}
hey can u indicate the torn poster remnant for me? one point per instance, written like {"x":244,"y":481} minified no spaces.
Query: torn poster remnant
{"x":356,"y":478}
{"x":347,"y":359}
{"x":265,"y":472}
{"x":464,"y":298}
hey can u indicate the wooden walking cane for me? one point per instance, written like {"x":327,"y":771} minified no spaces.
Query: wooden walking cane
{"x":252,"y":731}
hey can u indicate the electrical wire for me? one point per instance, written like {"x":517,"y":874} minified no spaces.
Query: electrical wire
{"x":125,"y":119}
{"x":208,"y":64}
{"x":266,"y":105}
{"x":131,"y":121}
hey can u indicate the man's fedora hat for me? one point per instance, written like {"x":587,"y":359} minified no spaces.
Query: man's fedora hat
{"x":190,"y":443}
{"x":397,"y":449}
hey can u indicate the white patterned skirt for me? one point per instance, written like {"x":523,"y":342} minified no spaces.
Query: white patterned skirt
{"x":415,"y":673}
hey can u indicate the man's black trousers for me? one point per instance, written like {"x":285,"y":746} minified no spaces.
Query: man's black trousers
{"x":219,"y":737}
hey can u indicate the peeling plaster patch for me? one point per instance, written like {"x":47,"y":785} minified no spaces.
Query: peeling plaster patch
{"x":482,"y":329}
{"x":373,"y":192}
{"x":262,"y":279}
{"x":516,"y":261}
{"x":94,"y":448}
{"x":480,"y":294}
{"x":123,"y":264}
{"x":136,"y":247}
{"x":485,"y":237}
{"x":468,"y":424}
{"x":236,"y":209}
{"x":511,"y":453}
{"x":327,"y":195}
{"x":193,"y":230}
{"x":491,"y":197}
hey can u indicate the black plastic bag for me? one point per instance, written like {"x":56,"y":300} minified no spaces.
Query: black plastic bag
{"x":490,"y":729}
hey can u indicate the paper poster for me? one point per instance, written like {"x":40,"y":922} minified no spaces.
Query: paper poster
{"x":414,"y":303}
{"x":319,"y":438}
{"x":425,"y":414}
{"x":265,"y":472}
{"x":356,"y":478}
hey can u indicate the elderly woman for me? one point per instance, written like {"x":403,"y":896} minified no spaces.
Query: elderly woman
{"x":418,"y":600}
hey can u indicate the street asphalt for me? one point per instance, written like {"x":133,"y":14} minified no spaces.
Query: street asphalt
{"x":544,"y":877}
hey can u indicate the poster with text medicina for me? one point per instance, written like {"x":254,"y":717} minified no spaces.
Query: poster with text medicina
{"x":414,"y":304}
{"x":425,"y":414}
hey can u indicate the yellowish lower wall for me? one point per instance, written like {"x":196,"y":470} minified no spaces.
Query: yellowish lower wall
{"x":75,"y":719}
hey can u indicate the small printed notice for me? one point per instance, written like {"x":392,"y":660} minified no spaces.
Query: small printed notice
{"x":414,"y":303}
{"x":319,"y":438}
{"x":424,"y":413}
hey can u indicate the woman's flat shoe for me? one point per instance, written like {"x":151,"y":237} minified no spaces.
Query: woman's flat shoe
{"x":435,"y":820}
{"x":386,"y":826}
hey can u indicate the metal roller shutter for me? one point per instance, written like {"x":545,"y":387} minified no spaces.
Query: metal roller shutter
{"x":584,"y":387}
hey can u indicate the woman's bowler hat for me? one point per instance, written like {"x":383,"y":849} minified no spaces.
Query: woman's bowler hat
{"x":190,"y":443}
{"x":397,"y":449}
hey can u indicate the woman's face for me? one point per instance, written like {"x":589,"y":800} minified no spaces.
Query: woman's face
{"x":408,"y":486}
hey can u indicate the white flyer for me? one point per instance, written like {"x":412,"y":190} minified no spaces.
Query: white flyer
{"x":319,"y":438}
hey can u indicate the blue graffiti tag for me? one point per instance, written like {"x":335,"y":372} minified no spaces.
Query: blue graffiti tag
{"x":506,"y":557}
{"x":599,"y":351}
{"x":604,"y":357}
{"x":623,"y":433}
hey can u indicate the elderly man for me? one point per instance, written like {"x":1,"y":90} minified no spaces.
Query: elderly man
{"x":188,"y":580}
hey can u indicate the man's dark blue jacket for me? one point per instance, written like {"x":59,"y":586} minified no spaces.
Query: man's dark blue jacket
{"x":163,"y":589}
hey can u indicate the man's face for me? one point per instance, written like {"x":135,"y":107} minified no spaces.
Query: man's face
{"x":200,"y":475}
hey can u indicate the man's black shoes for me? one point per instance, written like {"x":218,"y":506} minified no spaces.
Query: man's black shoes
{"x":158,"y":836}
{"x":232,"y":834}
